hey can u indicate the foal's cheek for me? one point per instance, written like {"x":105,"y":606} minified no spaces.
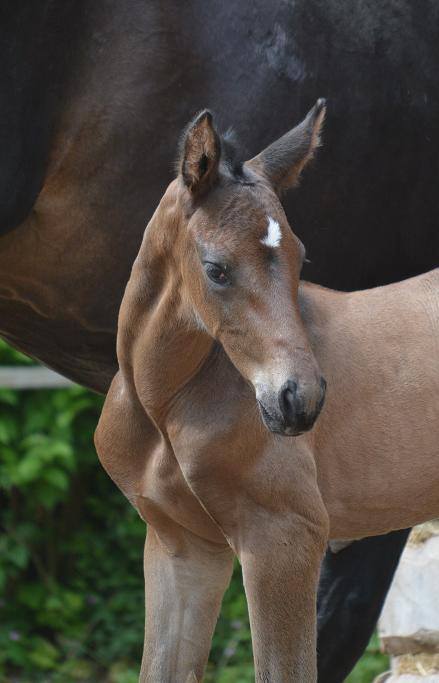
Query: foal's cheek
{"x":208,"y":321}
{"x":215,"y":311}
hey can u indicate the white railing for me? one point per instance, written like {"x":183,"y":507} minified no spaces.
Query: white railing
{"x":31,"y":377}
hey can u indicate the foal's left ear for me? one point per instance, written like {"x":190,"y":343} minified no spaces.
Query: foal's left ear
{"x":201,"y":152}
{"x":283,"y":161}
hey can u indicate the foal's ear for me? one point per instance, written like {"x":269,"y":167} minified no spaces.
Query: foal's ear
{"x":201,"y":152}
{"x":283,"y":161}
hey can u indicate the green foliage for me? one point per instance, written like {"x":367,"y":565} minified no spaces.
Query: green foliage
{"x":71,"y":588}
{"x":372,"y":663}
{"x":71,"y":585}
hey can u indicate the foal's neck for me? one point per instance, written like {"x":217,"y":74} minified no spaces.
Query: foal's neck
{"x":161,"y":345}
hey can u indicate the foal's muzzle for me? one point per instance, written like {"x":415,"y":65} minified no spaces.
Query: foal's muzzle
{"x":295,"y":409}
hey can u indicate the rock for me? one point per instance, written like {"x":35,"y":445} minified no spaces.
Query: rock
{"x":409,"y":678}
{"x":410,"y":619}
{"x":421,"y":668}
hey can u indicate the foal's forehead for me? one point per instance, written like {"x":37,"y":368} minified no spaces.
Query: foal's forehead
{"x":241,"y":212}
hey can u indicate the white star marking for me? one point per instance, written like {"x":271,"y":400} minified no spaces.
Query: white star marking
{"x":274,"y":235}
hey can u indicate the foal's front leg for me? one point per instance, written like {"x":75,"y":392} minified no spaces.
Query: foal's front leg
{"x":185,"y":579}
{"x":280,"y":561}
{"x":280,"y":539}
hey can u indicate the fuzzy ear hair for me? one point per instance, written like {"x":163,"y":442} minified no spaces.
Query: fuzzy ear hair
{"x":201,"y":153}
{"x":283,"y":161}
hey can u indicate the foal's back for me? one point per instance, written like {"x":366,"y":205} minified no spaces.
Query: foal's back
{"x":377,"y":440}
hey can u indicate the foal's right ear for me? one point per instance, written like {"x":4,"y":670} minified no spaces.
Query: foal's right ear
{"x":283,"y":161}
{"x":201,"y":152}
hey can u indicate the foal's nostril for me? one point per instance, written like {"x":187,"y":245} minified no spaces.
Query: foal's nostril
{"x":321,"y":401}
{"x":301,"y":407}
{"x":287,"y":399}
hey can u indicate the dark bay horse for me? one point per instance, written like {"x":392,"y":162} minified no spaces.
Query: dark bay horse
{"x":194,"y":439}
{"x":93,"y":96}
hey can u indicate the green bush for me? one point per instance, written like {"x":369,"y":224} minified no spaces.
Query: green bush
{"x":71,"y":569}
{"x":71,"y":585}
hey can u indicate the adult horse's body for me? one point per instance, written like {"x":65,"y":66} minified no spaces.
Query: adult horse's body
{"x":93,"y":97}
{"x":218,"y":275}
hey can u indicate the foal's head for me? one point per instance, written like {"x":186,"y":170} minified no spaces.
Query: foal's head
{"x":240,"y":264}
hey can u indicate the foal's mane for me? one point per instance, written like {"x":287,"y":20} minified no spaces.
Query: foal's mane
{"x":231,"y":154}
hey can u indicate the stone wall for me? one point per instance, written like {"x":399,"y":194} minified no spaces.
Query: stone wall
{"x":409,"y":623}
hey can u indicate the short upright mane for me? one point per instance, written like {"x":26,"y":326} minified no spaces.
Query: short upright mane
{"x":231,"y":154}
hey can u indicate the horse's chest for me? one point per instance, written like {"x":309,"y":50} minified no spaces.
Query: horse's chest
{"x":213,"y":438}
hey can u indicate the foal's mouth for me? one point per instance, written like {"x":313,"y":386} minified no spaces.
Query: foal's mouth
{"x":276,"y":424}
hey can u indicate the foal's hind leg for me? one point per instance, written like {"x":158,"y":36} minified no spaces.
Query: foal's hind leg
{"x":185,"y":579}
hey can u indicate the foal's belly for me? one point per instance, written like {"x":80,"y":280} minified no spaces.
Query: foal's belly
{"x":404,"y":509}
{"x":382,"y":476}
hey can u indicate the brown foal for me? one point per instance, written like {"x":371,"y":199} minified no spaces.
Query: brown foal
{"x":222,"y":352}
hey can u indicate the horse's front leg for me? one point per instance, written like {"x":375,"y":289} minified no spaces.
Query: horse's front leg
{"x":280,"y":537}
{"x":185,"y":579}
{"x":280,"y":562}
{"x":280,"y":557}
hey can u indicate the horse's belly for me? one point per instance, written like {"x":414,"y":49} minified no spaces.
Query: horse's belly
{"x":383,"y":476}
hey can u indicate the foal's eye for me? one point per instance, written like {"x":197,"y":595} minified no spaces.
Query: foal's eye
{"x":216,"y":273}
